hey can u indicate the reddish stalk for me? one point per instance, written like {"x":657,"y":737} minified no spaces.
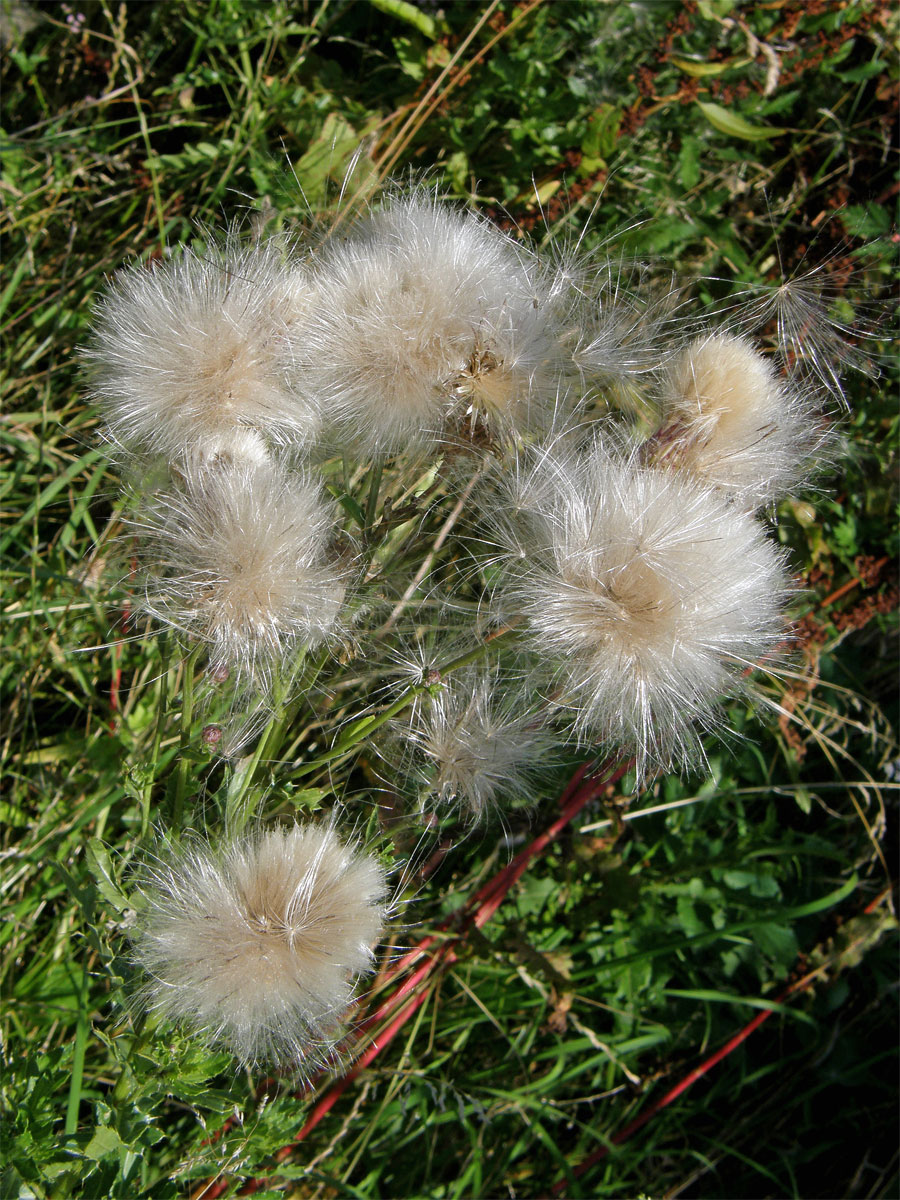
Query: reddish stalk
{"x":576,"y":795}
{"x":476,"y":912}
{"x":487,"y":899}
{"x":691,"y":1078}
{"x":849,"y":586}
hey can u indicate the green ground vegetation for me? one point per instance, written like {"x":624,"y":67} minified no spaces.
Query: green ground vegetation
{"x":739,"y":144}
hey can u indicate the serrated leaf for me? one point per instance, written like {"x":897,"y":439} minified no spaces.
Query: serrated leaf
{"x":103,"y":1141}
{"x":97,"y":858}
{"x":309,"y":798}
{"x":729,"y":122}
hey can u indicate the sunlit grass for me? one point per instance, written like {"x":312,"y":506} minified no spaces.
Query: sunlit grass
{"x":648,"y":932}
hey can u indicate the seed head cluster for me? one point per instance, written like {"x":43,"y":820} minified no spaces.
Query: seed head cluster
{"x":420,"y":430}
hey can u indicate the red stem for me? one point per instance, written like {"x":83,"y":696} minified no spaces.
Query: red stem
{"x":691,"y":1078}
{"x":485,"y":902}
{"x":488,"y":898}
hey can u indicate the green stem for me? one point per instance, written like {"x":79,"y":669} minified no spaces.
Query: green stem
{"x":268,"y":747}
{"x":81,"y":1037}
{"x":374,"y":489}
{"x":161,"y":710}
{"x":151,"y":160}
{"x":187,"y":719}
{"x":362,"y":727}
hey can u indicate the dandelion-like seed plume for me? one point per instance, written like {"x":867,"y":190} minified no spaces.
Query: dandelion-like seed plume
{"x":479,"y":742}
{"x":424,"y":311}
{"x":200,"y":346}
{"x":647,"y":591}
{"x":254,"y":944}
{"x":236,"y":555}
{"x":731,"y":421}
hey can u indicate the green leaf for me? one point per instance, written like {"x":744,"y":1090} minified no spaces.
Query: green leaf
{"x":714,"y":10}
{"x":867,"y":220}
{"x":410,"y":14}
{"x":844,"y":536}
{"x":698,"y":69}
{"x":729,"y":122}
{"x":689,"y":163}
{"x":410,"y":55}
{"x":599,"y":143}
{"x":709,"y":994}
{"x":778,"y":941}
{"x":308,"y":798}
{"x":328,"y":154}
{"x":759,"y":884}
{"x":103,"y":1141}
{"x":97,"y":858}
{"x":804,"y":800}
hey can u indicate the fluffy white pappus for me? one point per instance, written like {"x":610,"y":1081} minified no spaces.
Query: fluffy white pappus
{"x":192,"y":349}
{"x":629,"y":315}
{"x":254,"y":944}
{"x":730,"y":420}
{"x":235,"y":554}
{"x":424,"y":311}
{"x":816,"y":344}
{"x":647,"y":594}
{"x":479,"y":742}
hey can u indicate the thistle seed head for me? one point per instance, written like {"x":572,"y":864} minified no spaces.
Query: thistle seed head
{"x":201,"y":345}
{"x":235,"y":554}
{"x":729,"y":420}
{"x":479,"y":742}
{"x":648,"y":594}
{"x":423,"y":310}
{"x":253,"y":944}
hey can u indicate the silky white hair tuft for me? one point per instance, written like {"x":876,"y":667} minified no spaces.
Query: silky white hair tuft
{"x":254,"y":943}
{"x":478,"y":742}
{"x":730,"y":420}
{"x":195,"y":347}
{"x":424,"y":311}
{"x":648,"y":593}
{"x":235,"y":554}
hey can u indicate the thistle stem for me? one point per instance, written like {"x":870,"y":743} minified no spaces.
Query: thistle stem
{"x":268,"y":746}
{"x":187,"y":719}
{"x":374,"y":490}
{"x":161,"y":709}
{"x":362,"y":727}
